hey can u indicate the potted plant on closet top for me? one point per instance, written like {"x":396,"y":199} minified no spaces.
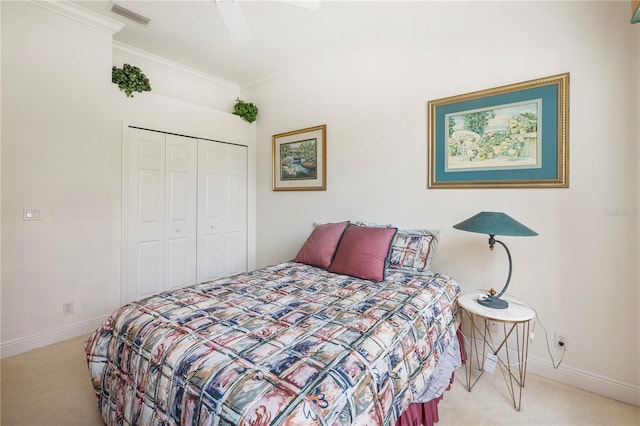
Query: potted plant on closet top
{"x":130,"y":79}
{"x":246,"y":110}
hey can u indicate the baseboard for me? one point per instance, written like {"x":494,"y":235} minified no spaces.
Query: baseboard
{"x":600,"y":385}
{"x":605,"y":386}
{"x":24,"y":344}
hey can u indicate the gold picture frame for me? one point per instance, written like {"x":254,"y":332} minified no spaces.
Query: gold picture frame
{"x":300,"y":160}
{"x":514,"y":136}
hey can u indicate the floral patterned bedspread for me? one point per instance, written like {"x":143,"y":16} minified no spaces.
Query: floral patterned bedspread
{"x":288,"y":344}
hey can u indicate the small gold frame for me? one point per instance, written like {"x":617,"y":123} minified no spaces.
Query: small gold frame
{"x":300,"y":160}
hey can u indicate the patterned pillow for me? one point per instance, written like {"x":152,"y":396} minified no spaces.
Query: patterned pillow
{"x":413,"y":250}
{"x":372,"y":224}
{"x":363,"y":252}
{"x":320,"y":247}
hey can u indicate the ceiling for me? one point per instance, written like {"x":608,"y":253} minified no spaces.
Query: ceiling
{"x":194,"y":34}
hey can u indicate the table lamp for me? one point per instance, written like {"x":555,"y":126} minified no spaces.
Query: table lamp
{"x":495,"y":223}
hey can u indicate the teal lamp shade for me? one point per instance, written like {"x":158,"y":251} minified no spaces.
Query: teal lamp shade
{"x":492,"y":224}
{"x":495,"y":223}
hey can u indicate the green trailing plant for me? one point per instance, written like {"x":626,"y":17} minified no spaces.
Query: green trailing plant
{"x":130,"y":79}
{"x":246,"y":110}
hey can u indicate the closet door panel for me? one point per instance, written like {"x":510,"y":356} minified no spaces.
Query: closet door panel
{"x":213,"y":193}
{"x":236,"y":193}
{"x":148,"y":270}
{"x":211,"y":210}
{"x":222,"y":217}
{"x":211,"y":257}
{"x":144,"y":246}
{"x":181,"y":210}
{"x":179,"y":269}
{"x":236,"y":258}
{"x":150,"y":193}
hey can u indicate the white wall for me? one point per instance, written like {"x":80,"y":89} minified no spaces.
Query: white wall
{"x":62,"y":124}
{"x":581,"y":273}
{"x":61,"y":150}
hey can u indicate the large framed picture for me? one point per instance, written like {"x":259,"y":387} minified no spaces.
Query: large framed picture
{"x":300,"y":160}
{"x":509,"y":136}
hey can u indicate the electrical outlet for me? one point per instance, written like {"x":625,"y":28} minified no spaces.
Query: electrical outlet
{"x":561,"y":340}
{"x":494,"y":326}
{"x":67,"y":308}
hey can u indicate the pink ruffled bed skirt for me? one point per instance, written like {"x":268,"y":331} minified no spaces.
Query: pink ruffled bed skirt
{"x":426,"y":413}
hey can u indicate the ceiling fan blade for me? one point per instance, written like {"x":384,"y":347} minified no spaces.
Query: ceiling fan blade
{"x":234,"y":20}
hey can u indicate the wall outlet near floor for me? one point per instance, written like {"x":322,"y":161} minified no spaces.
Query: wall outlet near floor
{"x":67,"y":308}
{"x":561,"y":340}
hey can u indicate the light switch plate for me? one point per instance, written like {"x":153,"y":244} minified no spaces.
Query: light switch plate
{"x":32,"y":213}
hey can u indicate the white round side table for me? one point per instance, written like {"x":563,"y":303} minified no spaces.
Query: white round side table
{"x":513,"y":328}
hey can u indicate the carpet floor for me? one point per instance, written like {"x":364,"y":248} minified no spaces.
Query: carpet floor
{"x":51,"y":387}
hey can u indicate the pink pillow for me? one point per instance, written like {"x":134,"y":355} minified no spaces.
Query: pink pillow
{"x":321,"y":245}
{"x":363,"y":252}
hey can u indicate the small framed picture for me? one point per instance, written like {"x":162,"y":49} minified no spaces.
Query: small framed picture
{"x":509,"y":136}
{"x":300,"y":160}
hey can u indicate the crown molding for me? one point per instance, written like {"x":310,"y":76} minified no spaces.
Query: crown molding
{"x":131,"y":52}
{"x":80,"y":14}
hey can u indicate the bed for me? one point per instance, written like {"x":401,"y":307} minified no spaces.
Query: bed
{"x":298,"y":343}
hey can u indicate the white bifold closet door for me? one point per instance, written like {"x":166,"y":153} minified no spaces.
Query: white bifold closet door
{"x":185,"y":212}
{"x":222,"y":211}
{"x":161,"y":212}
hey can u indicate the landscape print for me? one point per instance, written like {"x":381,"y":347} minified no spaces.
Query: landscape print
{"x":503,"y":137}
{"x":299,"y":160}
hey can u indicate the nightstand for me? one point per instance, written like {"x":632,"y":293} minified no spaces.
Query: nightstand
{"x":493,"y":331}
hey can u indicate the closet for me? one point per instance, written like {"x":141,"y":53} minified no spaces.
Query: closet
{"x":185,"y":211}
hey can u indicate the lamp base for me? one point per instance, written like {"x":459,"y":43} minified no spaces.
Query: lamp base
{"x":493,"y":302}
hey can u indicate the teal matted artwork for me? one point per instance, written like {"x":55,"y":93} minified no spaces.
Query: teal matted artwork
{"x":509,"y":136}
